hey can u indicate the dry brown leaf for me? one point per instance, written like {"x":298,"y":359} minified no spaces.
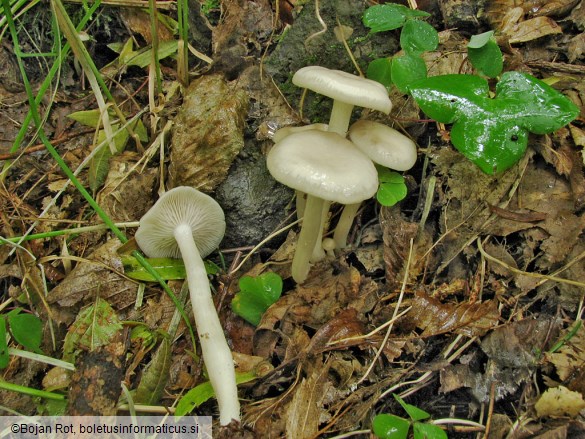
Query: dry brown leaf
{"x":559,"y":401}
{"x":434,"y":317}
{"x":532,"y":29}
{"x":569,"y":361}
{"x":208,"y":133}
{"x":101,"y":276}
{"x":305,"y":411}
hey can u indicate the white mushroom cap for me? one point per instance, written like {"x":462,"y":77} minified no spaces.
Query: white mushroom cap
{"x":384,"y":145}
{"x":325,"y":165}
{"x":285,"y":131}
{"x":181,"y":205}
{"x":344,"y":87}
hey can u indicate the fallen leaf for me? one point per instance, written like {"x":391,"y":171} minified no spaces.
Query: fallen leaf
{"x":559,"y":401}
{"x":434,"y":317}
{"x":208,"y":133}
{"x":532,"y":29}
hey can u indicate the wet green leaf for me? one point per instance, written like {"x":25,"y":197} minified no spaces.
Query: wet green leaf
{"x":389,"y":16}
{"x":417,"y":37}
{"x":407,"y":70}
{"x":256,"y":295}
{"x":493,"y":133}
{"x":387,"y":426}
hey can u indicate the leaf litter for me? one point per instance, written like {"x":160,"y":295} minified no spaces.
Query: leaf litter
{"x":482,"y":306}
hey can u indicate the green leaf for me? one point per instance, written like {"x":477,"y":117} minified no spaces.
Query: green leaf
{"x":428,"y":431}
{"x":389,"y":16}
{"x":417,"y":37}
{"x":94,"y":326}
{"x":493,"y":133}
{"x":168,"y":268}
{"x":203,"y":392}
{"x":415,"y":413}
{"x":4,"y":357}
{"x":27,"y":330}
{"x":155,"y":376}
{"x":387,"y":426}
{"x":380,"y":70}
{"x":487,"y":59}
{"x":407,"y":70}
{"x":478,"y":41}
{"x":392,"y":188}
{"x":90,"y":118}
{"x":256,"y":295}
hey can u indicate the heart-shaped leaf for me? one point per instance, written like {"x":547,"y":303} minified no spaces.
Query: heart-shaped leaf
{"x":417,"y":37}
{"x":256,"y":295}
{"x":493,"y":133}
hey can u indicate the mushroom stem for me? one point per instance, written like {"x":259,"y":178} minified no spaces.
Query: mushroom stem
{"x":318,"y":251}
{"x":344,"y":225}
{"x":307,"y":238}
{"x":216,"y":352}
{"x":340,"y":117}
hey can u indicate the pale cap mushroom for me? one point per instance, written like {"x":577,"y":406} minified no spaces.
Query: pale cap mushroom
{"x":189,"y":224}
{"x":327,"y":167}
{"x":383,"y":144}
{"x":181,"y":205}
{"x":346,"y":90}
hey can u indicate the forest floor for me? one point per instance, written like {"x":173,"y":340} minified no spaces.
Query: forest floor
{"x":465,"y":299}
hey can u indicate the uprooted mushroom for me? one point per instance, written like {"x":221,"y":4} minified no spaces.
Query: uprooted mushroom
{"x":190,"y":224}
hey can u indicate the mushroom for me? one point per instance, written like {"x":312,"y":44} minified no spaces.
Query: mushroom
{"x":327,"y":167}
{"x":346,"y":90}
{"x":383,"y":145}
{"x":190,"y":224}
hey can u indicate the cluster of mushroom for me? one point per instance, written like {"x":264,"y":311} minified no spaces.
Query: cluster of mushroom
{"x":316,"y":160}
{"x":319,"y":161}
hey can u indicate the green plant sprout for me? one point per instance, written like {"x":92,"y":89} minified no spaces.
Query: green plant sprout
{"x":416,"y":37}
{"x":485,"y":55}
{"x":392,"y":188}
{"x":493,"y":133}
{"x":386,"y":426}
{"x":26,"y":329}
{"x":256,"y":295}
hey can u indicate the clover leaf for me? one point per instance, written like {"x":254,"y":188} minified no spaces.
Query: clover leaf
{"x":256,"y":295}
{"x":389,"y":16}
{"x":493,"y":132}
{"x":392,"y":188}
